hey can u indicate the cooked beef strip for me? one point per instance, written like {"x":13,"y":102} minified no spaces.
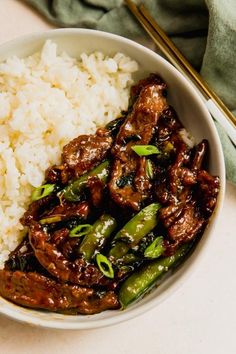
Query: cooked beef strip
{"x":183,"y":222}
{"x":168,"y":124}
{"x":67,"y":245}
{"x":178,"y":174}
{"x":181,"y":173}
{"x":171,"y":180}
{"x":151,"y":79}
{"x":59,"y":236}
{"x":50,"y":257}
{"x":199,"y":153}
{"x":169,"y":213}
{"x":96,"y":191}
{"x":139,"y":124}
{"x":37,"y":291}
{"x":80,"y":155}
{"x":70,"y":247}
{"x":187,"y":212}
{"x":142,"y":182}
{"x":67,"y":210}
{"x":186,"y":225}
{"x":142,"y":119}
{"x":37,"y":208}
{"x":60,"y":174}
{"x":207,"y":192}
{"x":86,"y":151}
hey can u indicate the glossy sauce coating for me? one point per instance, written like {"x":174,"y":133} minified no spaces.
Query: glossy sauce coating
{"x":102,"y":183}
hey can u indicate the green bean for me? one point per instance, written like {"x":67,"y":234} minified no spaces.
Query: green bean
{"x":95,"y":239}
{"x":140,"y":282}
{"x":128,"y":258}
{"x":72,"y":192}
{"x":119,"y":250}
{"x":135,"y":229}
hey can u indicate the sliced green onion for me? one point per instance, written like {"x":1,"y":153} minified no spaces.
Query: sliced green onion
{"x":104,"y":265}
{"x":80,"y":230}
{"x":149,"y":169}
{"x":155,"y":249}
{"x":50,"y":220}
{"x":128,"y":258}
{"x":42,"y":191}
{"x":145,"y":150}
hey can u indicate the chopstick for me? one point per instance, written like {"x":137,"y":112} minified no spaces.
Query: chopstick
{"x":214,"y":104}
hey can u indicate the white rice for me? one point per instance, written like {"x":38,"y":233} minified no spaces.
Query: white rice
{"x":46,"y":100}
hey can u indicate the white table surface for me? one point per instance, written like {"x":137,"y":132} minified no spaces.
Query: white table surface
{"x":200,"y":318}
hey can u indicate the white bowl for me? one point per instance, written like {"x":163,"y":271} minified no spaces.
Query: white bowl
{"x":195,"y":118}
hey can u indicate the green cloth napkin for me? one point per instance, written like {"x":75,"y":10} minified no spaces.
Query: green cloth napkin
{"x":204,"y":31}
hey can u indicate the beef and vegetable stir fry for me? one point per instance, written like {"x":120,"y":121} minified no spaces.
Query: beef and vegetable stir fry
{"x":125,"y":206}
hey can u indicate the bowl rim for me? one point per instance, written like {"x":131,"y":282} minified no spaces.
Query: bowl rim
{"x":28,"y":317}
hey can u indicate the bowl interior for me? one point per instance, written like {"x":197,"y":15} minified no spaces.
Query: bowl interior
{"x":191,"y":112}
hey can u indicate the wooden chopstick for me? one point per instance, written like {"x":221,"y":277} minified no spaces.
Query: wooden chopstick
{"x":202,"y":85}
{"x":165,"y":44}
